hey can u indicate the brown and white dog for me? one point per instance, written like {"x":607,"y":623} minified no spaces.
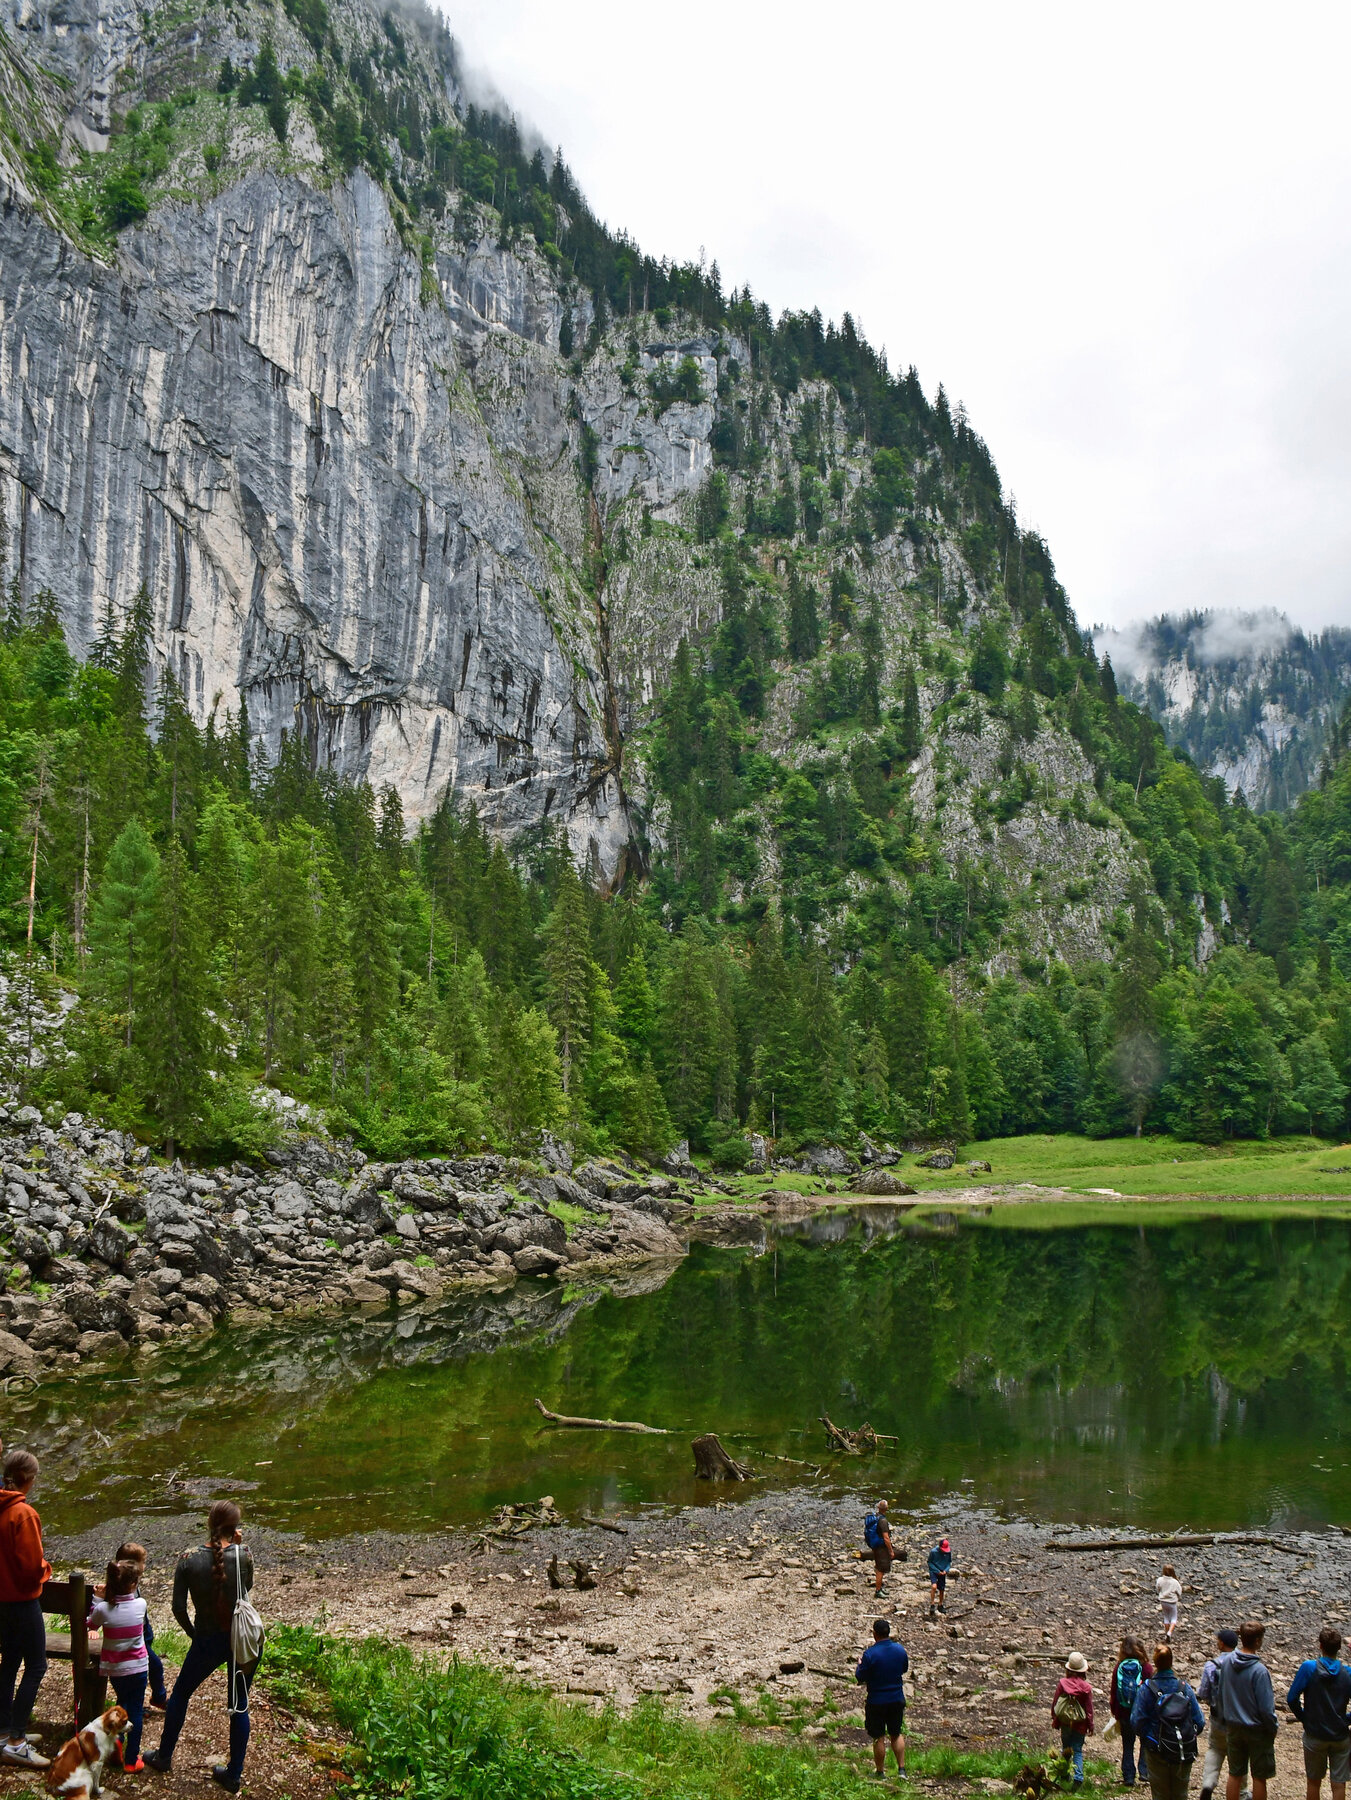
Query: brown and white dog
{"x":78,"y":1769}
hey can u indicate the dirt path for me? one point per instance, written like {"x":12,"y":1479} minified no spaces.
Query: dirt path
{"x":698,"y":1603}
{"x":284,"y":1762}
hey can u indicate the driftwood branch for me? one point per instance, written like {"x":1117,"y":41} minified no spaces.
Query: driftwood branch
{"x":1181,"y":1540}
{"x":553,"y":1418}
{"x":605,"y":1524}
{"x":854,"y":1443}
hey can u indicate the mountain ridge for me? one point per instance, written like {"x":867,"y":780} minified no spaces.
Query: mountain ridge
{"x":1249,"y":697}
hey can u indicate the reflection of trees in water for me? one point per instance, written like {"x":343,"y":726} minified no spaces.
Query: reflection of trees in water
{"x":1085,"y":1347}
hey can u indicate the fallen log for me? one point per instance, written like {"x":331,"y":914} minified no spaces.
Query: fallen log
{"x":712,"y":1463}
{"x":553,"y":1418}
{"x":1180,"y":1540}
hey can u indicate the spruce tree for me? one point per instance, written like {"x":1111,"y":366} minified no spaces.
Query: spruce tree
{"x":526,"y":1087}
{"x":635,"y":1004}
{"x":568,"y":973}
{"x":374,"y":966}
{"x":688,"y":1034}
{"x":911,"y":729}
{"x":120,"y":923}
{"x":178,"y":1039}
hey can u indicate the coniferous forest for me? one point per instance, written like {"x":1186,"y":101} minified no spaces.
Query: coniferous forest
{"x":792,"y":949}
{"x":226,"y":920}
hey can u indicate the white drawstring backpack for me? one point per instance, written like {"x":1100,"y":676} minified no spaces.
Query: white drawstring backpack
{"x":246,"y":1641}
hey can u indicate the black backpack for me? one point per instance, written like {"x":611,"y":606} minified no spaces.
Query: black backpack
{"x":1176,"y":1741}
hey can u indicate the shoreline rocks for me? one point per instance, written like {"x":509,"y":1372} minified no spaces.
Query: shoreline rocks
{"x":107,"y":1251}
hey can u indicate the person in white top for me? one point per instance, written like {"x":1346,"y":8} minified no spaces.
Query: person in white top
{"x":1170,"y":1592}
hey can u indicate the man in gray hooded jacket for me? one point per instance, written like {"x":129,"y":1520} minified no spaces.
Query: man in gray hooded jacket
{"x":1248,"y":1708}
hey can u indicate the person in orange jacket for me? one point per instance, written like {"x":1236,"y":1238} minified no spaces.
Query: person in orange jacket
{"x":23,"y":1631}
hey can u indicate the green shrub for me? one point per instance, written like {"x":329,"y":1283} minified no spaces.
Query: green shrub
{"x":122,"y":200}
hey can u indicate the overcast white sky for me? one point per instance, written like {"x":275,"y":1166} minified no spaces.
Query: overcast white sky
{"x":1121,"y":235}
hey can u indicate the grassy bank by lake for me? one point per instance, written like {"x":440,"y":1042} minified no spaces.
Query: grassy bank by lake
{"x":426,"y":1729}
{"x":1136,"y":1166}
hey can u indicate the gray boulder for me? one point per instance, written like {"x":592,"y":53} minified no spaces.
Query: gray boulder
{"x":937,"y":1159}
{"x":110,"y":1243}
{"x":15,"y":1356}
{"x":534,"y":1259}
{"x":825,"y":1159}
{"x":881,"y":1182}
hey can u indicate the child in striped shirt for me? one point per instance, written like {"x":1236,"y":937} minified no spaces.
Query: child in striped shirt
{"x":159,"y":1699}
{"x":120,"y":1615}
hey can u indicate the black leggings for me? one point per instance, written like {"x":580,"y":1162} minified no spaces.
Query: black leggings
{"x":23,"y":1640}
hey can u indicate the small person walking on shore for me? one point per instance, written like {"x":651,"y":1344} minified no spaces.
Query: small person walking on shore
{"x":1072,"y":1711}
{"x":940,"y":1567}
{"x":1170,"y":1594}
{"x":877,"y":1536}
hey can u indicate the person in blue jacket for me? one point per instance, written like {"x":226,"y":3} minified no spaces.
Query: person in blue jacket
{"x":882,"y":1670}
{"x":1170,"y":1764}
{"x":1319,"y":1696}
{"x":940,"y":1566}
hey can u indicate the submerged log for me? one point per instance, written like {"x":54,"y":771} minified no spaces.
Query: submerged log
{"x":553,"y":1418}
{"x":712,"y":1463}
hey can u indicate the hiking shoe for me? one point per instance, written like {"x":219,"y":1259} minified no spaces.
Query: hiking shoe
{"x":223,"y":1778}
{"x":136,"y":1768}
{"x":23,"y":1755}
{"x":158,"y":1702}
{"x":156,"y":1761}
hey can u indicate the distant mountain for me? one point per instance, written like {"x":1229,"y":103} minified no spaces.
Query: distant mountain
{"x":1247,"y":696}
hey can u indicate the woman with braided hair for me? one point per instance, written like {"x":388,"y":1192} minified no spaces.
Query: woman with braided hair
{"x":212,"y":1577}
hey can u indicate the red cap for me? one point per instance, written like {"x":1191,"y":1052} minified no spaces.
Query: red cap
{"x":945,"y":1545}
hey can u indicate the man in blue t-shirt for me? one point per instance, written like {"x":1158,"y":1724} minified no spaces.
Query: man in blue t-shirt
{"x":882,"y":1670}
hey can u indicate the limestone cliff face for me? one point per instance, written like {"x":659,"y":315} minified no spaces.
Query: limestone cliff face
{"x":394,"y":487}
{"x":355,"y":504}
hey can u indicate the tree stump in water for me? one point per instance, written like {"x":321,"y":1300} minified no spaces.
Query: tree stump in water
{"x":712,"y":1463}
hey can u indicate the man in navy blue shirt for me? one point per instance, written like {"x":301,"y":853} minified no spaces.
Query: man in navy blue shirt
{"x":882,"y":1670}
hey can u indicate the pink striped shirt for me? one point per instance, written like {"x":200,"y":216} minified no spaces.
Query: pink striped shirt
{"x":123,"y":1626}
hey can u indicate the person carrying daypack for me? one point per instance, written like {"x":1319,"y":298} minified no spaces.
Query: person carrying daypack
{"x":1072,"y":1711}
{"x":877,"y":1536}
{"x":1168,"y":1716}
{"x":1133,"y":1668}
{"x":1319,"y":1697}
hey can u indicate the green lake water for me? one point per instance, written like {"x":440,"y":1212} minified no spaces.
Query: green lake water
{"x":1160,"y":1375}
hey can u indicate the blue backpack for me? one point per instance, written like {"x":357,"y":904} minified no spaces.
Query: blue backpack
{"x":872,"y":1531}
{"x":1129,"y":1675}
